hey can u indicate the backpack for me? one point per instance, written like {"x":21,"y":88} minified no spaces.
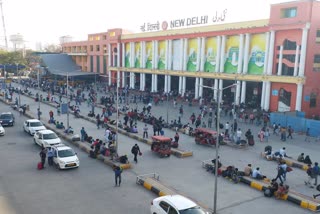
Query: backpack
{"x":309,"y":171}
{"x":267,"y":193}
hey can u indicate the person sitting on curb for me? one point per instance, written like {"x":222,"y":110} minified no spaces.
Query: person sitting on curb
{"x":248,"y":170}
{"x":257,"y":174}
{"x":69,"y":130}
{"x":301,"y":157}
{"x":282,"y":190}
{"x":307,"y":160}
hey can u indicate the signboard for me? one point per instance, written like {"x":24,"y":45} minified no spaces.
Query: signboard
{"x":185,"y":22}
{"x":64,"y":108}
{"x":257,"y":54}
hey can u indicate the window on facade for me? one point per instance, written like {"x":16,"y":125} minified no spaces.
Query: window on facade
{"x":91,"y":47}
{"x":289,"y":12}
{"x":91,"y":38}
{"x":318,"y":36}
{"x":97,"y":38}
{"x":97,"y":47}
{"x":316,"y":62}
{"x":104,"y":37}
{"x":104,"y":48}
{"x":313,"y":100}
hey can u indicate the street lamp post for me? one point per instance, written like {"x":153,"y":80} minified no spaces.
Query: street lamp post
{"x":67,"y":93}
{"x":219,"y":91}
{"x":39,"y":88}
{"x":19,"y":84}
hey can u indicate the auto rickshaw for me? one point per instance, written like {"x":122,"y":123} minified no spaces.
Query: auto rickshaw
{"x":161,"y":145}
{"x":205,"y":136}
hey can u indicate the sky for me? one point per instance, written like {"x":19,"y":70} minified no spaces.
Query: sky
{"x":45,"y":20}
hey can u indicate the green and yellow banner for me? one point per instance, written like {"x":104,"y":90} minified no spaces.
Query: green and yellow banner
{"x":162,"y":49}
{"x":210,"y":54}
{"x":192,"y":54}
{"x":257,"y":54}
{"x":232,"y":54}
{"x":149,"y":55}
{"x":127,"y":55}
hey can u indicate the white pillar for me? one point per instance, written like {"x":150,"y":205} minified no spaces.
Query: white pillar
{"x":299,"y":97}
{"x":203,"y":54}
{"x":240,"y":60}
{"x":267,"y":96}
{"x":109,"y":64}
{"x":296,"y":61}
{"x":169,"y":83}
{"x":303,"y":53}
{"x":270,"y":55}
{"x":218,"y":54}
{"x":155,"y":83}
{"x":155,"y":55}
{"x":185,"y":55}
{"x":280,"y":61}
{"x":196,"y":90}
{"x":184,"y":85}
{"x":263,"y":93}
{"x":165,"y":84}
{"x":198,"y":53}
{"x":181,"y":54}
{"x":152,"y":82}
{"x":266,"y":53}
{"x":215,"y":91}
{"x":220,"y":88}
{"x":243,"y":92}
{"x":238,"y":90}
{"x":123,"y":65}
{"x":141,"y":82}
{"x":169,"y":64}
{"x":180,"y":85}
{"x":201,"y":87}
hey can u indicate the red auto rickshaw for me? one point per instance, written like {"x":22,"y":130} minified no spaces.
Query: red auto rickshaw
{"x":205,"y":136}
{"x":161,"y":145}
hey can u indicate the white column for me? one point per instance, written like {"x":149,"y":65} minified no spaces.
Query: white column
{"x":215,"y":91}
{"x":222,"y":54}
{"x":220,"y":88}
{"x":144,"y":82}
{"x":243,"y":92}
{"x":246,"y":53}
{"x":218,"y":54}
{"x":180,"y":85}
{"x":238,"y":90}
{"x":181,"y":53}
{"x":201,"y":87}
{"x":109,"y":64}
{"x":118,"y":63}
{"x":155,"y":83}
{"x":303,"y":53}
{"x":296,"y":61}
{"x":203,"y":54}
{"x":267,"y":96}
{"x":185,"y":55}
{"x":280,"y":61}
{"x":299,"y":97}
{"x":141,"y":82}
{"x":196,"y":93}
{"x":165,"y":83}
{"x":156,"y":55}
{"x":240,"y":60}
{"x":169,"y":65}
{"x":263,"y":93}
{"x":266,"y":53}
{"x":152,"y":82}
{"x":270,"y":55}
{"x":143,"y":54}
{"x":184,"y":85}
{"x":123,"y":64}
{"x":169,"y":83}
{"x":113,"y":58}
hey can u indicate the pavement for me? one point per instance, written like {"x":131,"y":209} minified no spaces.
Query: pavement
{"x":187,"y":176}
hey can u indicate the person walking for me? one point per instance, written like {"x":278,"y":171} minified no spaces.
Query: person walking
{"x":38,"y":113}
{"x":280,"y":173}
{"x":83,"y":134}
{"x":135,"y":150}
{"x":51,"y":114}
{"x":145,"y":131}
{"x":290,"y":131}
{"x":50,"y":156}
{"x":43,"y":155}
{"x":307,"y":139}
{"x":315,"y":171}
{"x":209,"y":122}
{"x":117,"y":175}
{"x":98,"y":121}
{"x":267,"y":134}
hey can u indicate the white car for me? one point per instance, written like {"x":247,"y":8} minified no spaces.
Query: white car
{"x":64,"y":157}
{"x":46,"y":138}
{"x":2,"y":131}
{"x":175,"y":204}
{"x":32,"y":126}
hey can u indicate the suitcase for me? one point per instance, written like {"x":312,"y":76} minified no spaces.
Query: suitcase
{"x":40,"y":166}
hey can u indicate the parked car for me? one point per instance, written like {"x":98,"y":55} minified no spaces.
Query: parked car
{"x":46,"y":138}
{"x":7,"y":119}
{"x":176,"y":204}
{"x":32,"y":126}
{"x":2,"y":131}
{"x":64,"y":157}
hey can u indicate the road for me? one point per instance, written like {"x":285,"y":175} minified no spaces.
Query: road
{"x":187,"y":176}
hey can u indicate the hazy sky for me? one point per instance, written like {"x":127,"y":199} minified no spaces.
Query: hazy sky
{"x":46,"y":20}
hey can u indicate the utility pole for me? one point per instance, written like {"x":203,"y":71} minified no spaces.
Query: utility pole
{"x":4,"y":27}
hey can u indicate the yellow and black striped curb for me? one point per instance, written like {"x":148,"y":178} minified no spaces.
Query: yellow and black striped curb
{"x":153,"y":189}
{"x":290,"y":162}
{"x":83,"y":146}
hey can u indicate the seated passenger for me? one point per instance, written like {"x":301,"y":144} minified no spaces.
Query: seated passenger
{"x":123,"y":159}
{"x":273,"y":186}
{"x":307,"y":160}
{"x":282,"y":190}
{"x":257,"y":174}
{"x":301,"y":157}
{"x":248,"y":170}
{"x":134,"y":129}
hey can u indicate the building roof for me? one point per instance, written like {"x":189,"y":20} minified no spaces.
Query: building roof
{"x":62,"y":64}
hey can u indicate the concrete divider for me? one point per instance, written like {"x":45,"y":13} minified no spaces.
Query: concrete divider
{"x":290,"y":162}
{"x":83,"y":146}
{"x":261,"y":185}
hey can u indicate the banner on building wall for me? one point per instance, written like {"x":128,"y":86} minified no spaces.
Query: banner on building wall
{"x":232,"y":54}
{"x":149,"y":55}
{"x":192,"y":54}
{"x":127,"y":56}
{"x":176,"y":54}
{"x":137,"y":54}
{"x":210,"y":54}
{"x":257,"y":53}
{"x":162,"y":49}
